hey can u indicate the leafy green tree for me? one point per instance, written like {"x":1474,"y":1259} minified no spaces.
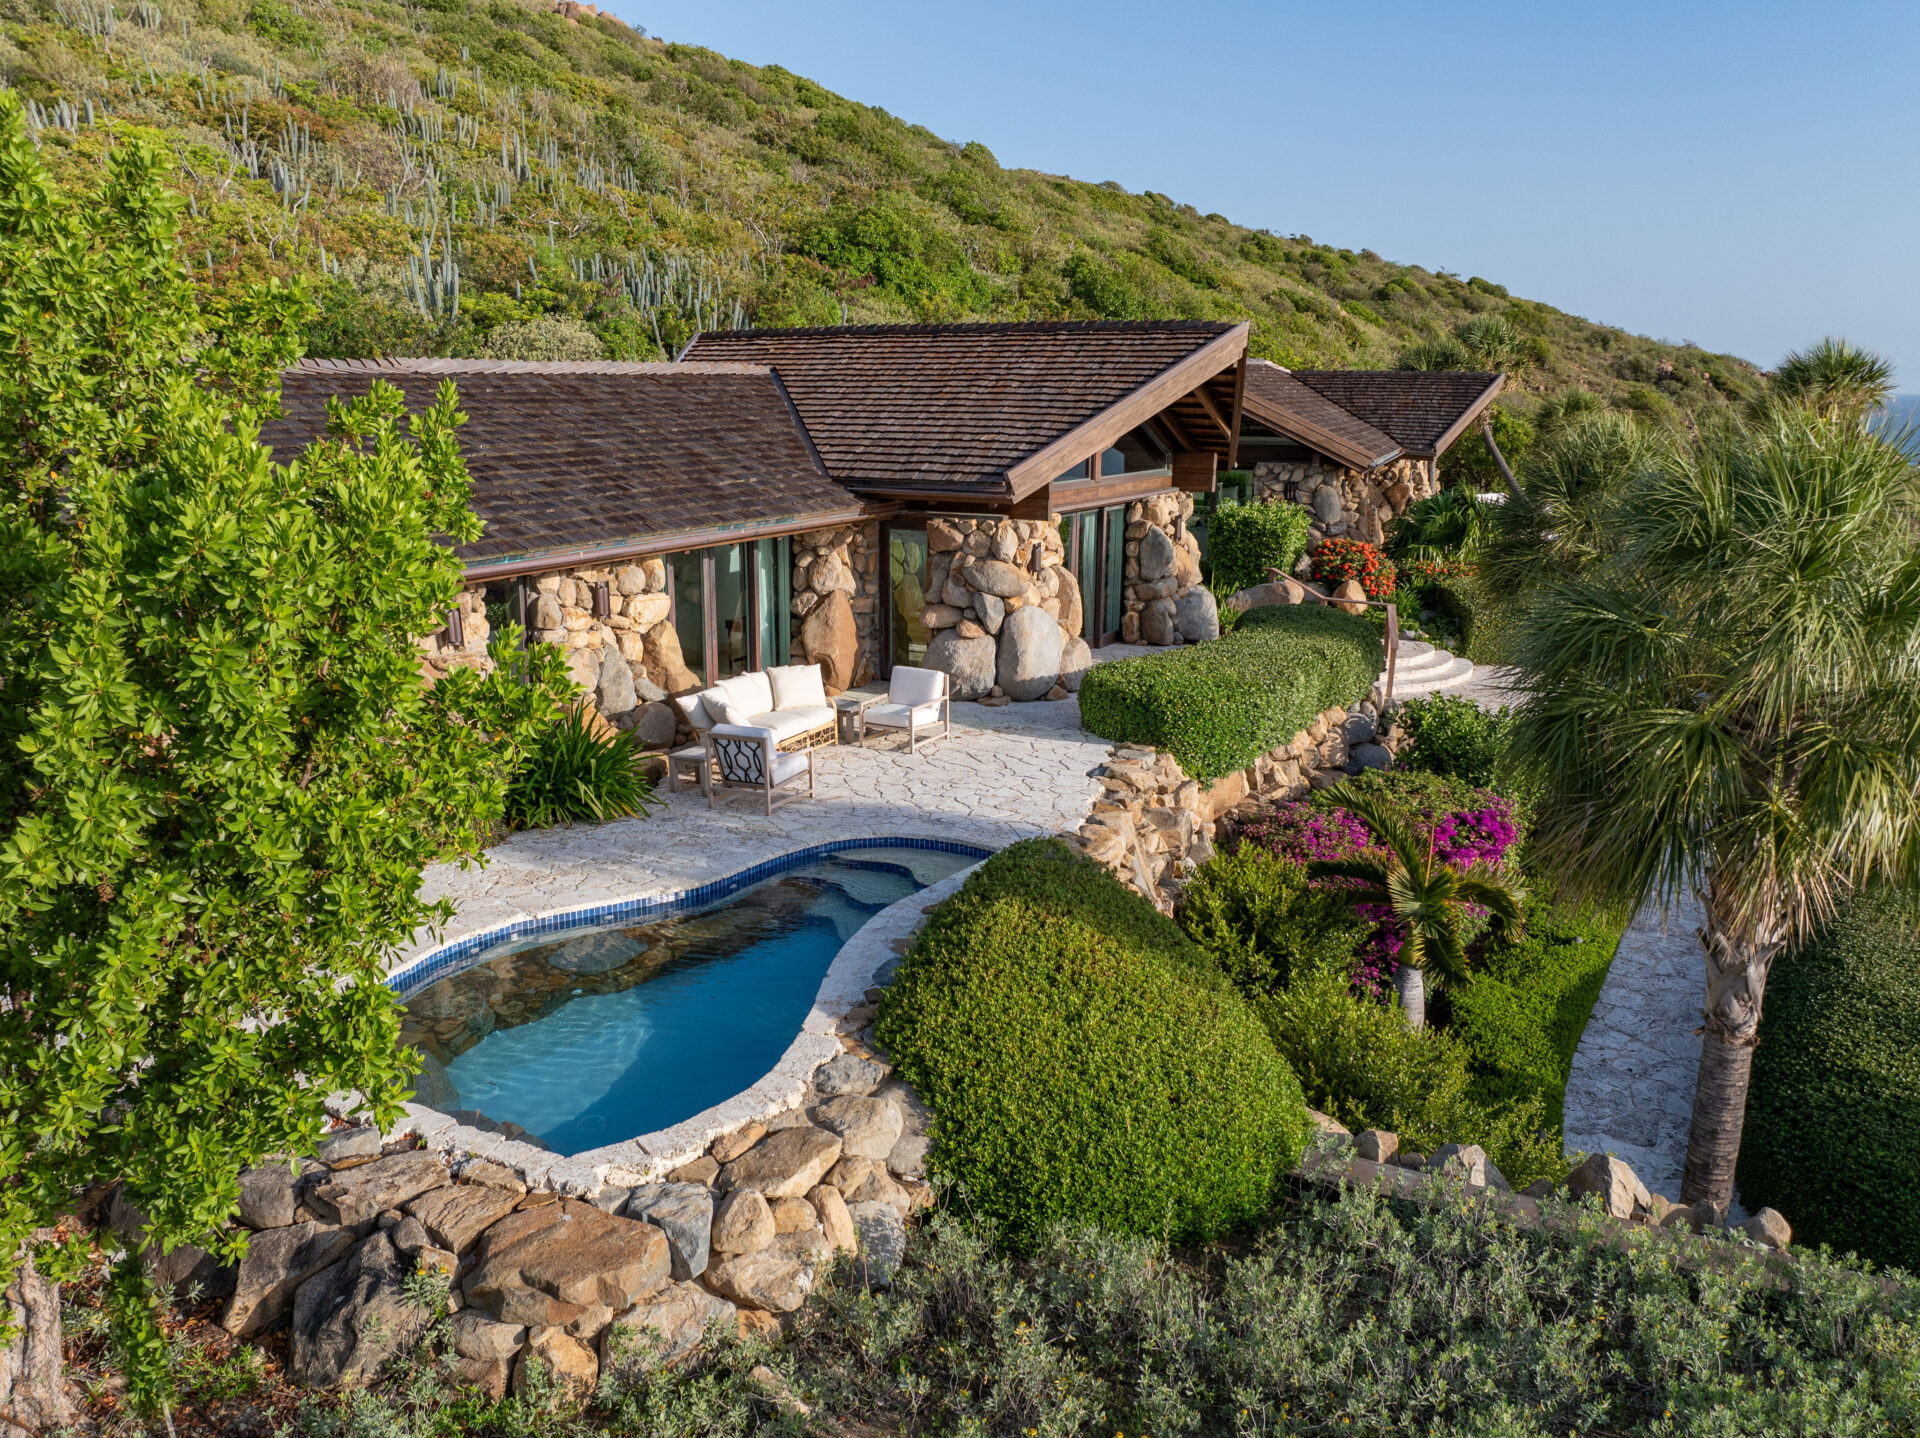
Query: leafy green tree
{"x":1834,"y":379}
{"x":221,"y":773}
{"x":1722,"y":700}
{"x":1426,"y":896}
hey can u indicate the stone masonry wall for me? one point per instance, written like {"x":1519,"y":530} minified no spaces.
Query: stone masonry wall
{"x":438,"y":658}
{"x":1353,"y":503}
{"x":835,"y":605}
{"x":1000,"y":625}
{"x":1165,"y":602}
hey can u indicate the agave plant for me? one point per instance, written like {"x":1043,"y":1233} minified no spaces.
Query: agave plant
{"x":579,"y":769}
{"x":1427,"y":897}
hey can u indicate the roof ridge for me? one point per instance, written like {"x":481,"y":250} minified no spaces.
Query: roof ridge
{"x":430,"y":364}
{"x":984,"y":327}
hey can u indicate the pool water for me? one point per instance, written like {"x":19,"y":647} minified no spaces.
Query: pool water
{"x":585,"y":1037}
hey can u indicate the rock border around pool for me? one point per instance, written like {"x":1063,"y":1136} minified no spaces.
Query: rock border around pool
{"x":841,"y":1010}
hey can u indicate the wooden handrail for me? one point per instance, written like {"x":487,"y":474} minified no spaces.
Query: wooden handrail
{"x":1393,"y":624}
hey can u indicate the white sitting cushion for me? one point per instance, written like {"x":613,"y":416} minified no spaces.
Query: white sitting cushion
{"x":912,"y":686}
{"x":788,"y":724}
{"x":785,"y":766}
{"x":798,"y":686}
{"x":695,"y":712}
{"x":903,"y":716}
{"x":751,"y":693}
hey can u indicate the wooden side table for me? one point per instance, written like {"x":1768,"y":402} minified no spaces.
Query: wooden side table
{"x":850,"y":712}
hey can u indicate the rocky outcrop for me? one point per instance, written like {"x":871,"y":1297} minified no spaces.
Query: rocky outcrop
{"x":550,"y":1265}
{"x":278,"y":1262}
{"x":353,"y":1317}
{"x":357,"y":1195}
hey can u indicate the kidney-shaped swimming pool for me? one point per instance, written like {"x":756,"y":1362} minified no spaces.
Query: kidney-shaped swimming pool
{"x":575,"y":1038}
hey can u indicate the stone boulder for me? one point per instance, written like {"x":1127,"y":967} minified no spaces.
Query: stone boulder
{"x":278,"y":1261}
{"x":968,"y":663}
{"x":1073,"y":613}
{"x":1328,"y":507}
{"x":997,"y":577}
{"x":358,"y":1195}
{"x":908,"y":1156}
{"x":546,"y":613}
{"x":268,"y":1195}
{"x":665,"y":1327}
{"x":1350,"y":598}
{"x":1369,"y":756}
{"x":1197,"y":616}
{"x":868,"y":1127}
{"x":614,"y":693}
{"x":655,"y":724}
{"x":353,"y":1317}
{"x":831,"y":639}
{"x":941,"y":616}
{"x":456,"y":1217}
{"x":666,"y":665}
{"x":1378,"y":1144}
{"x":883,"y":1235}
{"x":181,"y":1267}
{"x":849,"y":1075}
{"x":764,"y":1281}
{"x":784,"y":1164}
{"x":1613,"y":1182}
{"x":1769,"y":1227}
{"x":569,"y":1365}
{"x":742,"y":1223}
{"x":474,"y":1335}
{"x":684,"y":1212}
{"x":545,"y":1265}
{"x":835,"y":1223}
{"x":1156,"y":554}
{"x":1029,"y":658}
{"x":1076,"y":658}
{"x":1258,"y":596}
{"x":992,"y":610}
{"x":350,"y":1145}
{"x":1157,"y":626}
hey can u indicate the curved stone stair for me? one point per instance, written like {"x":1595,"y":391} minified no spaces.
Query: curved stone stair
{"x":1422,"y":669}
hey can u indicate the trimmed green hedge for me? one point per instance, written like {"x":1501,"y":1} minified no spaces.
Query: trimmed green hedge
{"x":1832,"y":1137}
{"x":1522,"y":1016}
{"x":1245,"y":540}
{"x":1216,"y":707}
{"x":1087,"y":1063}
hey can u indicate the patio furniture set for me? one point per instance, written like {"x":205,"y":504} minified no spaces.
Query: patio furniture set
{"x":760,"y":730}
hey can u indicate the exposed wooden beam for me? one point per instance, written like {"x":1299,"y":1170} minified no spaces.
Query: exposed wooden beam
{"x":1239,"y":395}
{"x":1037,"y":505}
{"x":1213,"y":410}
{"x":1179,"y":431}
{"x":1196,"y":471}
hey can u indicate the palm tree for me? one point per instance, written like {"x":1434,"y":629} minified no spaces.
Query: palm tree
{"x":1835,"y":379}
{"x":1724,"y":702}
{"x":1427,"y":897}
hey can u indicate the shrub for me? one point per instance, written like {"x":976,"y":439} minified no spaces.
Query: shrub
{"x":1832,"y":1134}
{"x":1358,"y":1061}
{"x":1337,"y":560}
{"x":1454,"y":737}
{"x":547,"y":337}
{"x":1485,"y":825}
{"x":1087,"y":1062}
{"x":578,"y":769}
{"x":1262,"y":923}
{"x":1216,"y":707}
{"x":1522,"y":1015}
{"x":1245,"y":540}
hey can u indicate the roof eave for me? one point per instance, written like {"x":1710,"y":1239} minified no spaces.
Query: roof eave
{"x":1315,"y":438}
{"x":1179,"y":378}
{"x":1467,"y":416}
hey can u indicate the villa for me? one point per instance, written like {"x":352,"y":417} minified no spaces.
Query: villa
{"x":877,"y":495}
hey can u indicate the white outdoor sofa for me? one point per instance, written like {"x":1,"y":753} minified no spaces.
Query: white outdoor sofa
{"x":916,"y":699}
{"x":789,"y":699}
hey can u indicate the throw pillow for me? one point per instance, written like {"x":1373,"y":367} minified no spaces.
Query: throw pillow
{"x":798,"y":686}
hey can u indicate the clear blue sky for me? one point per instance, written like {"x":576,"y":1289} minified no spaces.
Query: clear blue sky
{"x":1743,"y":176}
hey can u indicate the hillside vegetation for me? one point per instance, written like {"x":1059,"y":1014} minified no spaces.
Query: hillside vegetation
{"x":491,"y":177}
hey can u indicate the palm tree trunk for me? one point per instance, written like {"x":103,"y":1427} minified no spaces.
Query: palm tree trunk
{"x":1411,"y":985}
{"x":1739,"y":953}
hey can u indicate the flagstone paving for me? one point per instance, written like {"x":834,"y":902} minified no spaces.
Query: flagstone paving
{"x":1005,"y":774}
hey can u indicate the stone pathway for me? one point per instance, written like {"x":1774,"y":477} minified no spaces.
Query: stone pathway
{"x":1630,"y":1092}
{"x":1006,"y":774}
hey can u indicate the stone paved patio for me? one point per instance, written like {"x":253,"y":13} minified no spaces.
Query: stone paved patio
{"x":1006,"y":774}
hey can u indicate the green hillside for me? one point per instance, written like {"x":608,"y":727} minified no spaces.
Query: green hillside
{"x":458,"y":177}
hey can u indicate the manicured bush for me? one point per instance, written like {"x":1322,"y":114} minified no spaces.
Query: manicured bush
{"x":578,"y":769}
{"x":1357,"y":1060}
{"x":1454,"y":737}
{"x":1088,"y":1064}
{"x":1832,"y":1135}
{"x":1522,"y":1015}
{"x":1216,"y":707}
{"x":1245,"y":540}
{"x":1337,"y":560}
{"x":1264,"y":924}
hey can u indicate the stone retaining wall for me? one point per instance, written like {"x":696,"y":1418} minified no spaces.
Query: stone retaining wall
{"x":1355,"y":503}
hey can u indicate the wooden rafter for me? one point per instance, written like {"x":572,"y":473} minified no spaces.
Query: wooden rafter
{"x":1213,"y":411}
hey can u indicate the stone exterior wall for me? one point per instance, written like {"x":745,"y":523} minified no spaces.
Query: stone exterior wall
{"x":836,"y":603}
{"x":629,"y":661}
{"x":1165,"y":602}
{"x":1357,"y":504}
{"x":1000,"y":625}
{"x":439,"y":658}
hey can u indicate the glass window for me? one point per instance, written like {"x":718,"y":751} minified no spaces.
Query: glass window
{"x":773,"y":584}
{"x":907,"y":594}
{"x":1110,"y":595}
{"x":690,"y":611}
{"x":1079,"y":471}
{"x":1089,"y":575}
{"x":1137,"y":452}
{"x":730,"y":609}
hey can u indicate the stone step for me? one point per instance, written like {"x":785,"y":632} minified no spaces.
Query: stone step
{"x":1412,"y":649}
{"x":1431,"y":662}
{"x":1451,"y":675}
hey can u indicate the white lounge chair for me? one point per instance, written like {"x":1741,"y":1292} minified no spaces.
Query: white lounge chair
{"x":916,"y":699}
{"x":749,"y":757}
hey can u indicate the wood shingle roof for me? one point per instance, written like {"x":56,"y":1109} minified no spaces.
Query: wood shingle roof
{"x":984,"y":410}
{"x":574,"y":457}
{"x":1423,"y":410}
{"x":1283,"y":403}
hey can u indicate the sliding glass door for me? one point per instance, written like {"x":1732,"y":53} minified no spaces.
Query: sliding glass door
{"x":907,"y":597}
{"x":730,"y":606}
{"x":1095,"y":541}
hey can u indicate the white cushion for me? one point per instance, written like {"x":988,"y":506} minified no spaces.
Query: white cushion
{"x":785,"y":766}
{"x":723,"y":707}
{"x":798,"y":686}
{"x":915,"y":686}
{"x":751,"y":693}
{"x":903,"y":716}
{"x":785,"y":724}
{"x":696,"y":712}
